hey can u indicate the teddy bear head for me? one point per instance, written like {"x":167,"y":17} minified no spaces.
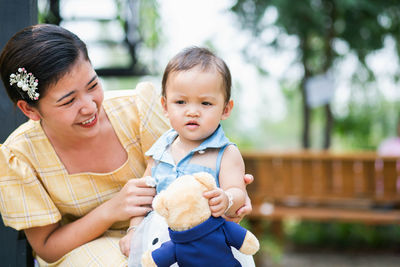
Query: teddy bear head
{"x":182,"y":204}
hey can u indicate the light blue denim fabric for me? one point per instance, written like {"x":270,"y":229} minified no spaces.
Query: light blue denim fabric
{"x":165,"y":171}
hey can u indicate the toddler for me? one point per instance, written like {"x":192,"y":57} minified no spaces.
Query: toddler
{"x":196,"y":90}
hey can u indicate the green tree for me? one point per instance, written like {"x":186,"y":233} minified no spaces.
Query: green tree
{"x":361,"y":25}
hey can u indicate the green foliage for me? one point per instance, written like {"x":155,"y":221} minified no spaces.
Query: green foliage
{"x":149,"y":22}
{"x":344,"y":235}
{"x":361,"y":26}
{"x":366,"y":124}
{"x":269,"y":245}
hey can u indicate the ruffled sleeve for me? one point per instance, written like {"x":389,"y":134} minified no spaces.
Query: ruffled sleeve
{"x":153,"y":123}
{"x":24,"y":203}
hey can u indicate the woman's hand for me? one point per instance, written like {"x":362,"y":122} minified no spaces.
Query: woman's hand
{"x":133,"y":200}
{"x":246,"y":208}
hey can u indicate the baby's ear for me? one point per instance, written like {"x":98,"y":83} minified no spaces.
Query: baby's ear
{"x":164,"y":105}
{"x":227,"y":110}
{"x":205,"y":179}
{"x":159,"y":204}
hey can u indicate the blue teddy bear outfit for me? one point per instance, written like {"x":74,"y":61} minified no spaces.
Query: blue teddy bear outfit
{"x":207,"y":244}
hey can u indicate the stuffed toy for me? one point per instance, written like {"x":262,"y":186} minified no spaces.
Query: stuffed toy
{"x":197,"y":238}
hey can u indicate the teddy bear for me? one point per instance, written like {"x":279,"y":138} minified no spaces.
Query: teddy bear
{"x":197,"y":238}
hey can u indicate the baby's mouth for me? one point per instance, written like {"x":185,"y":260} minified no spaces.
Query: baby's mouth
{"x":192,"y":123}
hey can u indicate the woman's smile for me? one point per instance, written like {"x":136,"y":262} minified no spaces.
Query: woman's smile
{"x":90,"y":122}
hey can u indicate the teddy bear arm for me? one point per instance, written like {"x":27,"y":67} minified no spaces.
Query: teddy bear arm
{"x":250,"y":244}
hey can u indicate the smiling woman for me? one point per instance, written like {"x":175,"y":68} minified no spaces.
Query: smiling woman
{"x":59,"y":182}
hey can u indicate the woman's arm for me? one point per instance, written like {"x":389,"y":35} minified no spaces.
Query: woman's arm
{"x":125,"y":241}
{"x":51,"y":242}
{"x":246,"y":208}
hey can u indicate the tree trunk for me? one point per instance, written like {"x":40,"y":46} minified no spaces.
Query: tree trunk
{"x":306,"y":116}
{"x":330,"y":6}
{"x":306,"y":108}
{"x":328,"y":126}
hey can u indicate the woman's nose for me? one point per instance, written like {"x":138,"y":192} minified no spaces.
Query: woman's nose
{"x":88,"y":105}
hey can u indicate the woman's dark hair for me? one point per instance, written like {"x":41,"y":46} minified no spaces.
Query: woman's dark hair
{"x":197,"y":56}
{"x":47,"y":51}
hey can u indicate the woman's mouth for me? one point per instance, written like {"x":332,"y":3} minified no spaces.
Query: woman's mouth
{"x":90,"y":122}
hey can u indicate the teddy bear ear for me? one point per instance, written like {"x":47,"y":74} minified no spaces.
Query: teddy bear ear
{"x":205,"y":179}
{"x":159,"y":204}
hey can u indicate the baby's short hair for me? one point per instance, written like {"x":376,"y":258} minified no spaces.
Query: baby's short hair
{"x":201,"y":57}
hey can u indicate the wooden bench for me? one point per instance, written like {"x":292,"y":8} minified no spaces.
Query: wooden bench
{"x":324,"y":186}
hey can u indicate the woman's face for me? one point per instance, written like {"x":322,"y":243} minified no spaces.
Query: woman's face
{"x":71,"y":108}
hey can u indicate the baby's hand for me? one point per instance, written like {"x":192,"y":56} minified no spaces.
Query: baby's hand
{"x":125,"y":243}
{"x":218,"y":201}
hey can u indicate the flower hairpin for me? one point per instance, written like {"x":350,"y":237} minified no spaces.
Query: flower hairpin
{"x":26,"y":81}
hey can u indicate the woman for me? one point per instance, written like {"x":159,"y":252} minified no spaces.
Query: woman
{"x":66,"y":176}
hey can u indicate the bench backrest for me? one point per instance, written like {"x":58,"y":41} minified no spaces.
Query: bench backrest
{"x":324,"y":178}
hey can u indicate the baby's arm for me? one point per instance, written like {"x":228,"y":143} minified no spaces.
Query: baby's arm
{"x":231,"y":182}
{"x":125,"y":242}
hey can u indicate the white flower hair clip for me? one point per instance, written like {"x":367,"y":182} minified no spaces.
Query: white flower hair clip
{"x":26,"y":81}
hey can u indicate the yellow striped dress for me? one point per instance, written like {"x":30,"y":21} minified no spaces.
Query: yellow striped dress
{"x":36,"y":189}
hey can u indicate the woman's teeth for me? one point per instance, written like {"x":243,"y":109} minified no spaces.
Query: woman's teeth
{"x":89,"y":120}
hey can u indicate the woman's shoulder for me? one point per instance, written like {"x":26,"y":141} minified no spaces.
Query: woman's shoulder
{"x":142,"y":104}
{"x":25,"y":142}
{"x":131,"y":101}
{"x":26,"y":134}
{"x":138,"y":114}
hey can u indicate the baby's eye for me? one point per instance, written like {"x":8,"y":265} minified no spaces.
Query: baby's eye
{"x":180,"y":102}
{"x":206,"y":103}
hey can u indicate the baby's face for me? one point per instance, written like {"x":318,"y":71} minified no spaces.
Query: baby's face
{"x":195,"y":103}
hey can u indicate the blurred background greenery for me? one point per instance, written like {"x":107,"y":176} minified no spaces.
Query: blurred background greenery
{"x":274,"y":49}
{"x":320,"y":74}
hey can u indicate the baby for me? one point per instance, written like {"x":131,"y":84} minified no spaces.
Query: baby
{"x":196,"y":91}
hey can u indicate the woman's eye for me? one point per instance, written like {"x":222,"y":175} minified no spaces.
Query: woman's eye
{"x":93,"y":86}
{"x":69,"y":102}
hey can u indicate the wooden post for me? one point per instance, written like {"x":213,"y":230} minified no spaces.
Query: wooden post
{"x":14,"y":15}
